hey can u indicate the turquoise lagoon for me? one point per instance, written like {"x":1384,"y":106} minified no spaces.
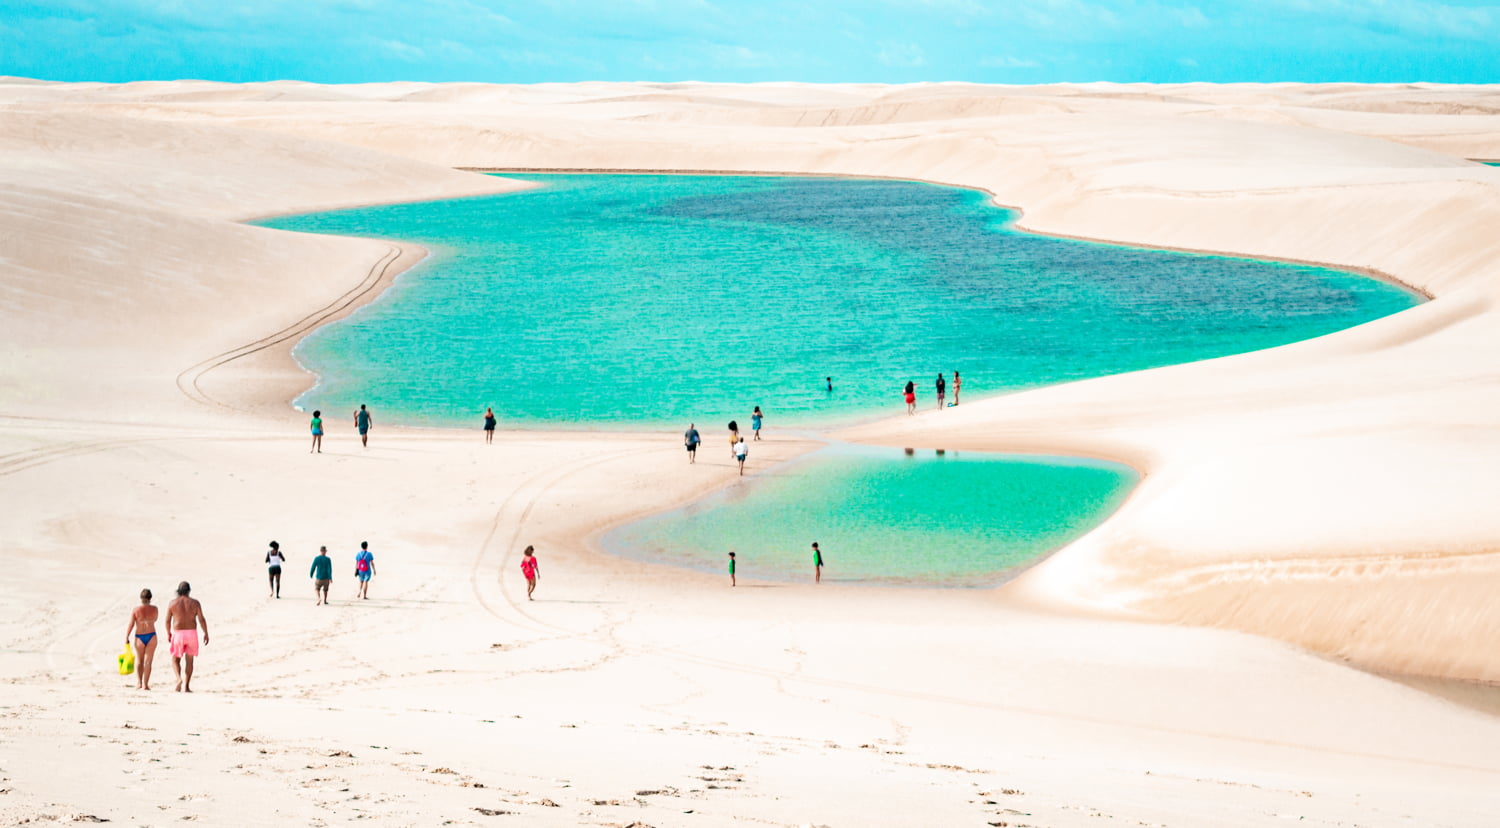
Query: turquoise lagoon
{"x":636,"y":300}
{"x":641,"y":300}
{"x":882,"y":516}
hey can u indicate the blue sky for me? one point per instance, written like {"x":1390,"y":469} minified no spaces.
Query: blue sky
{"x":893,"y":41}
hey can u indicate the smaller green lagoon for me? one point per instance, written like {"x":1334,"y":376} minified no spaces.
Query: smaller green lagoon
{"x":882,"y":516}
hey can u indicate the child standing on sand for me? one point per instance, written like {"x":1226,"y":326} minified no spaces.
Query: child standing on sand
{"x":731,"y":569}
{"x":529,"y":569}
{"x":317,"y":433}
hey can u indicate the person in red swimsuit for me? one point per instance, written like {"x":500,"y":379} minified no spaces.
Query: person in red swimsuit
{"x":529,"y":569}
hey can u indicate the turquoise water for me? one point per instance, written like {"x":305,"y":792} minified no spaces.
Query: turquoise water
{"x":599,"y":300}
{"x":883,"y":517}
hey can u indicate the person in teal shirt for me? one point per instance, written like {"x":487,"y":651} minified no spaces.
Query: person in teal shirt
{"x":317,"y":432}
{"x":322,"y":574}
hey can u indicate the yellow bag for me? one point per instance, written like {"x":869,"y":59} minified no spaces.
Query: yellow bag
{"x":127,"y":662}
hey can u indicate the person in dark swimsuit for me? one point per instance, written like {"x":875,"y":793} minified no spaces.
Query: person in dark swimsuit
{"x":274,"y":560}
{"x":142,"y":629}
{"x":489,"y":425}
{"x":362,"y":422}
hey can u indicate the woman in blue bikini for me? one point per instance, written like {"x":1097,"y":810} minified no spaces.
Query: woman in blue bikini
{"x":143,"y":627}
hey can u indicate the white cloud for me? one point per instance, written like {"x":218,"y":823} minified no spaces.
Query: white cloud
{"x":900,"y":54}
{"x":1008,"y":62}
{"x":1415,"y":17}
{"x":1190,"y":17}
{"x":401,"y":51}
{"x":740,"y":57}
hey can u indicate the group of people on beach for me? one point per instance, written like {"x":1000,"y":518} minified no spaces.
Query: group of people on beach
{"x":738,"y":448}
{"x":362,"y":423}
{"x":184,"y":618}
{"x":185,"y":614}
{"x":910,"y":392}
{"x":321,"y":572}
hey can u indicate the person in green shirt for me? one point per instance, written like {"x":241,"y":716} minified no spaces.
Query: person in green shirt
{"x":322,"y":574}
{"x":317,"y":432}
{"x":731,"y":569}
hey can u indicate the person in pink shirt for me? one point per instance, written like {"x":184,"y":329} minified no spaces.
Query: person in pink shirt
{"x":529,"y":569}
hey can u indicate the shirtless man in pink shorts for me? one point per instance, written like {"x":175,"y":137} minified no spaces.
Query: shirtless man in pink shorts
{"x":184,"y":615}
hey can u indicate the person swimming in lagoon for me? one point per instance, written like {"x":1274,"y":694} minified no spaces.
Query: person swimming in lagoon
{"x":142,"y":628}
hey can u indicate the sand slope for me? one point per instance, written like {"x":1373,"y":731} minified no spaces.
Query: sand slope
{"x":1332,"y":495}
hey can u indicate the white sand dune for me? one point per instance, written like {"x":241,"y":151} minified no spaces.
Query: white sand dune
{"x":1323,"y":504}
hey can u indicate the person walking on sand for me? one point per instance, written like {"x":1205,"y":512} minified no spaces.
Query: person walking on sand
{"x":317,"y":432}
{"x":911,"y":397}
{"x":489,"y":425}
{"x":362,"y":422}
{"x":942,"y":388}
{"x":731,"y":569}
{"x":184,"y":617}
{"x":142,"y":628}
{"x":274,"y":560}
{"x":530,"y":569}
{"x":691,"y":439}
{"x":322,"y":575}
{"x":958,"y":385}
{"x":755,"y":420}
{"x":364,"y":568}
{"x":817,"y":564}
{"x":734,"y":436}
{"x":741,"y":451}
